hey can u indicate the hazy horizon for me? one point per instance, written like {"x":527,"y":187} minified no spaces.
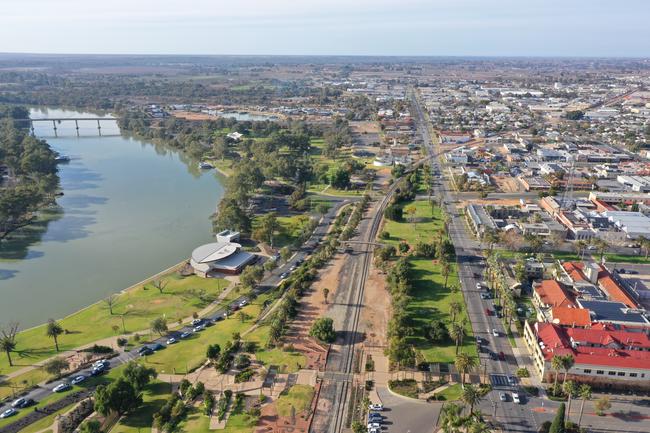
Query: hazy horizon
{"x":418,"y":28}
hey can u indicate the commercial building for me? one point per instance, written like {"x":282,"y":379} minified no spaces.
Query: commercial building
{"x":220,"y":258}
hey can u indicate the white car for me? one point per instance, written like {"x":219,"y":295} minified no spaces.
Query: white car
{"x":198,"y":328}
{"x":372,"y":425}
{"x":515,"y":398}
{"x":376,"y":406}
{"x":479,"y":286}
{"x":172,"y":340}
{"x":18,"y":403}
{"x":503,"y":396}
{"x":78,"y":379}
{"x":9,"y":412}
{"x":62,"y":387}
{"x":243,"y":303}
{"x":495,"y":332}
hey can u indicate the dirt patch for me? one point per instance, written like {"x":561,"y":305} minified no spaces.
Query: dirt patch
{"x":508,"y":184}
{"x":313,"y":306}
{"x":366,"y":127}
{"x":376,"y":309}
{"x":270,"y":420}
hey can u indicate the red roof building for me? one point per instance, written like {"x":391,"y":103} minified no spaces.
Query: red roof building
{"x":550,"y":293}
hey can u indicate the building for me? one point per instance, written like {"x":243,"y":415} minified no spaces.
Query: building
{"x":479,"y":220}
{"x":220,"y":257}
{"x":550,"y":293}
{"x":633,"y":224}
{"x":447,"y":137}
{"x":604,"y":356}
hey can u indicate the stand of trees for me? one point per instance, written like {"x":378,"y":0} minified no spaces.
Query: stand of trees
{"x":28,"y":168}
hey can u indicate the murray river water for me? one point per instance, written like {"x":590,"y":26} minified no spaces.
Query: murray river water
{"x":130,"y":209}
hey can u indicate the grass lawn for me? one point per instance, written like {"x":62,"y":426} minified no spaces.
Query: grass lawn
{"x":451,"y":393}
{"x":154,"y":397}
{"x":190,"y":353}
{"x":45,"y":422}
{"x":298,"y":396}
{"x":288,"y":361}
{"x":430,"y":298}
{"x":405,"y":387}
{"x":196,"y":422}
{"x":180,"y":298}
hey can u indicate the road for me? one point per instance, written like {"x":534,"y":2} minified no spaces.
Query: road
{"x":470,"y":269}
{"x":271,"y":281}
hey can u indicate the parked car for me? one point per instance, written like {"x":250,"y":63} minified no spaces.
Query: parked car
{"x":196,"y":322}
{"x":495,"y":332}
{"x":62,"y":387}
{"x":146,"y":352}
{"x":512,"y":380}
{"x":157,"y":346}
{"x":376,"y":406}
{"x":502,"y":356}
{"x":503,"y":396}
{"x":243,"y":303}
{"x":284,"y":275}
{"x":171,"y":340}
{"x":78,"y":379}
{"x":488,"y":312}
{"x":27,"y":403}
{"x":479,"y":340}
{"x":97,"y":370}
{"x":479,"y":286}
{"x":493,"y":356}
{"x":9,"y":412}
{"x":198,"y":328}
{"x":372,"y":425}
{"x":18,"y":402}
{"x":186,"y":334}
{"x":515,"y":398}
{"x":140,"y":351}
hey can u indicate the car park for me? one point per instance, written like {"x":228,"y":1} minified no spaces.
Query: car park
{"x":503,"y":396}
{"x":64,"y":386}
{"x":376,"y":406}
{"x":78,"y":379}
{"x":171,"y":340}
{"x":186,"y":334}
{"x":9,"y":412}
{"x":515,"y":398}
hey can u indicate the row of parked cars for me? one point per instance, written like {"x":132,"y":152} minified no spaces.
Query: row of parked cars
{"x":375,"y":419}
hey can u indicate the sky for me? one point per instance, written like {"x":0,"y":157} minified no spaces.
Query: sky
{"x":329,"y":27}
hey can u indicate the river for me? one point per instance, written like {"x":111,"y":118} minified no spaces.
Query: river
{"x":129,"y":210}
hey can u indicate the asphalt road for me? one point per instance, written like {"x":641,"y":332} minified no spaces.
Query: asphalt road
{"x":470,"y":269}
{"x":271,"y":281}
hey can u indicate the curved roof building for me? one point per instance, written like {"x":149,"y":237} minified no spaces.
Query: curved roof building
{"x":222,"y":257}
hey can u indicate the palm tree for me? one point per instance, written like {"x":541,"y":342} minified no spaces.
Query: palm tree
{"x":457,"y":332}
{"x":478,"y":426}
{"x":451,"y":420}
{"x":570,"y":389}
{"x":455,"y":309}
{"x":471,"y":396}
{"x":53,"y":331}
{"x":567,"y":363}
{"x":465,"y":363}
{"x":8,"y":341}
{"x":445,"y":270}
{"x":585,"y":394}
{"x":556,"y":365}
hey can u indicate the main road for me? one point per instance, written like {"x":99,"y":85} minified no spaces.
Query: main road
{"x":471,"y":265}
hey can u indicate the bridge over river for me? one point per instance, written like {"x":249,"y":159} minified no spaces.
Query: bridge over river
{"x":59,"y":120}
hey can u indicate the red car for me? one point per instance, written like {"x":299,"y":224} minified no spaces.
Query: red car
{"x":502,"y":356}
{"x":488,"y":312}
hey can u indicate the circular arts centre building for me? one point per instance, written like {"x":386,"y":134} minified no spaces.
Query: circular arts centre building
{"x":220,"y":257}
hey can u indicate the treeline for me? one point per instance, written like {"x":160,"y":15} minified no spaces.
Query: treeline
{"x":28,"y":171}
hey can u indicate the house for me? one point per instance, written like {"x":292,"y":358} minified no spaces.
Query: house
{"x":235,"y":136}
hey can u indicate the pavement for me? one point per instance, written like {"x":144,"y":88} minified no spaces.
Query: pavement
{"x":403,"y":414}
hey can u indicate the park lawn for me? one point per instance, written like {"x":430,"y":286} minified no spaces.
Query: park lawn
{"x":298,"y":396}
{"x":622,"y":258}
{"x":189,"y":354}
{"x":431,"y":301}
{"x":430,"y":298}
{"x":47,"y":421}
{"x":290,"y":229}
{"x":154,"y":397}
{"x":139,"y":306}
{"x":23,"y":381}
{"x":288,"y":362}
{"x":451,"y":393}
{"x":197,"y":422}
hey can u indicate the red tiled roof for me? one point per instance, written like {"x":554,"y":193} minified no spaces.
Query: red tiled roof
{"x":551,"y":293}
{"x":613,"y":289}
{"x":574,"y":270}
{"x":571,"y":316}
{"x":607,"y":336}
{"x":556,"y":342}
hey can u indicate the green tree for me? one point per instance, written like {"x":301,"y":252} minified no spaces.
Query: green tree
{"x":455,"y":308}
{"x":323,"y":330}
{"x":465,"y":363}
{"x":119,"y":396}
{"x":8,"y":340}
{"x":457,"y":333}
{"x":212,"y":352}
{"x":602,"y":404}
{"x":567,"y":363}
{"x":471,"y":396}
{"x":570,"y":389}
{"x":285,"y":254}
{"x":437,"y":331}
{"x":445,"y":271}
{"x":56,"y":366}
{"x":53,"y":330}
{"x":557,"y":426}
{"x":585,"y":394}
{"x":326,"y":293}
{"x":159,"y":325}
{"x":91,"y":426}
{"x":451,"y":420}
{"x":556,"y":365}
{"x":138,"y":375}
